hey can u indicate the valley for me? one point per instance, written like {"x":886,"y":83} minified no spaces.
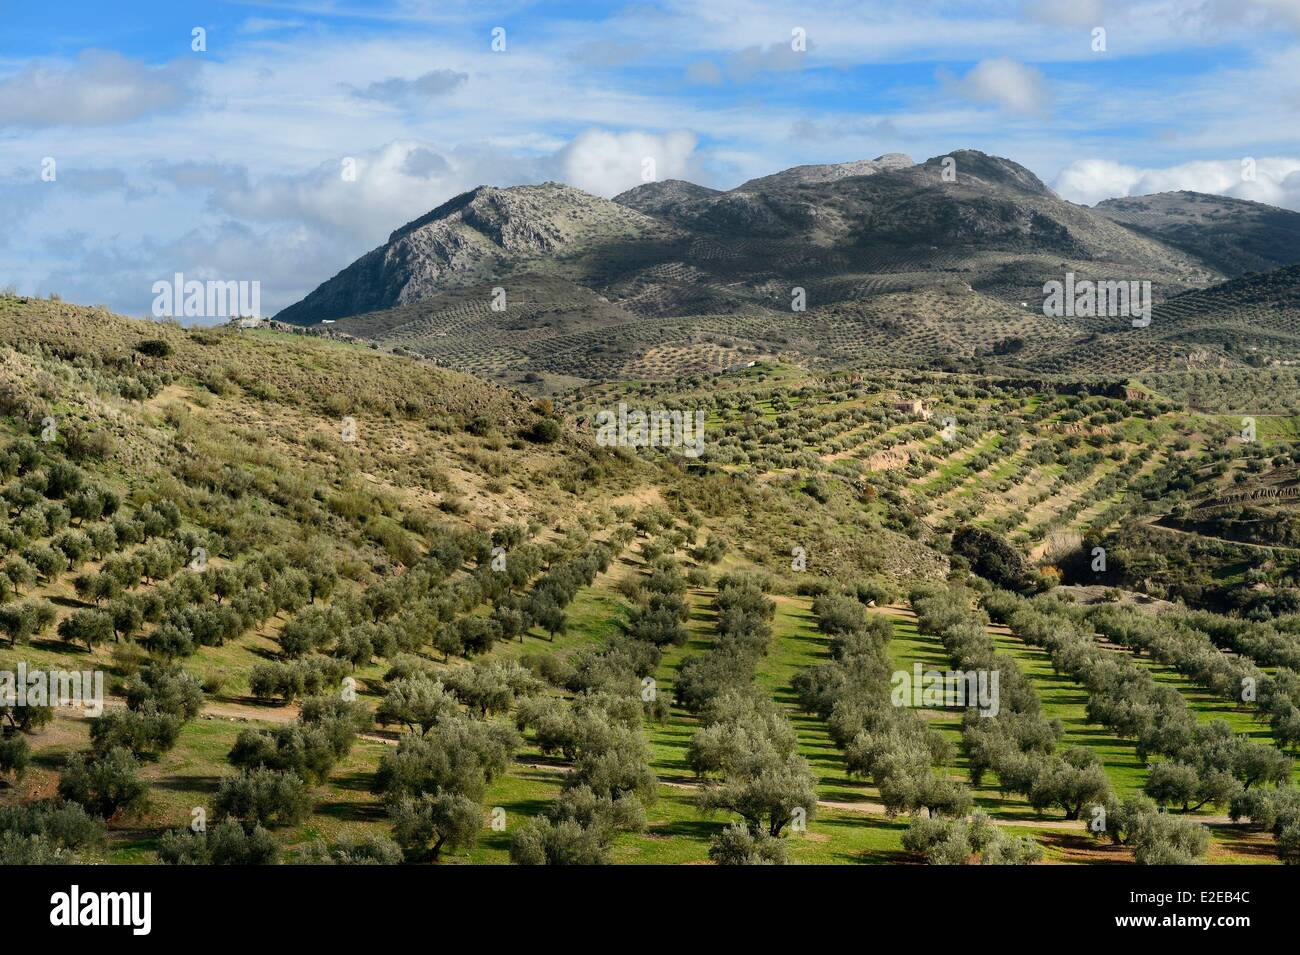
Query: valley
{"x":354,"y":605}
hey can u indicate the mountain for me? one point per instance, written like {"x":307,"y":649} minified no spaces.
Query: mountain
{"x":1231,"y":235}
{"x":833,"y":264}
{"x":477,"y":235}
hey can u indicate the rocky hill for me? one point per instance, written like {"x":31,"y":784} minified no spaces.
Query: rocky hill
{"x":799,"y":175}
{"x":1231,"y":235}
{"x":482,"y":234}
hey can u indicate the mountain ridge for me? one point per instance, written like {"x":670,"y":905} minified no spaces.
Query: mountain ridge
{"x":671,"y":277}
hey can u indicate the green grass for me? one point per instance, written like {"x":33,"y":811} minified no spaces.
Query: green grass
{"x":1269,"y":429}
{"x":796,"y":645}
{"x":1066,"y":700}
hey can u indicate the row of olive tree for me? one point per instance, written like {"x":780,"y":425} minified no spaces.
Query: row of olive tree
{"x":745,"y":741}
{"x":1200,"y":764}
{"x":1012,"y":739}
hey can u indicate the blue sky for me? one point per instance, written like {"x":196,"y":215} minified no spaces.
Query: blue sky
{"x":126,"y":155}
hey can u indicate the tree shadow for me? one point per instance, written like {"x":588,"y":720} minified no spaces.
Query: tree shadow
{"x":353,"y":811}
{"x":187,"y":784}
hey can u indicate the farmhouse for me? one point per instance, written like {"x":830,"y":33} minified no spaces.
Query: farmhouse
{"x":914,"y":406}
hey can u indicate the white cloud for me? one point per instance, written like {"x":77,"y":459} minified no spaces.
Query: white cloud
{"x":1287,"y":9}
{"x":392,"y":185}
{"x":607,"y":163}
{"x":120,"y":272}
{"x":744,"y":65}
{"x":1006,"y":84}
{"x":1088,"y":181}
{"x":1255,"y":13}
{"x":99,"y":89}
{"x":705,"y":72}
{"x":401,"y":91}
{"x":424,"y":163}
{"x":1276,"y":180}
{"x":200,"y":175}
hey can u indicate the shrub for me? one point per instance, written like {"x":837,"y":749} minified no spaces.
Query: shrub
{"x":226,"y":843}
{"x":544,"y":431}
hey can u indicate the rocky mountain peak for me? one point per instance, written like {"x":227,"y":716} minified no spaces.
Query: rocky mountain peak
{"x":830,"y":172}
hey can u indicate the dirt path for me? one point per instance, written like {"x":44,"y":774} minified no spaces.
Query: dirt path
{"x":1210,"y":537}
{"x":247,"y":712}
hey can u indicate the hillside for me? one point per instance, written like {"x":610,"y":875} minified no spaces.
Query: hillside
{"x":1249,"y":321}
{"x":282,"y":437}
{"x":563,"y":334}
{"x":1230,"y":235}
{"x":311,"y":569}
